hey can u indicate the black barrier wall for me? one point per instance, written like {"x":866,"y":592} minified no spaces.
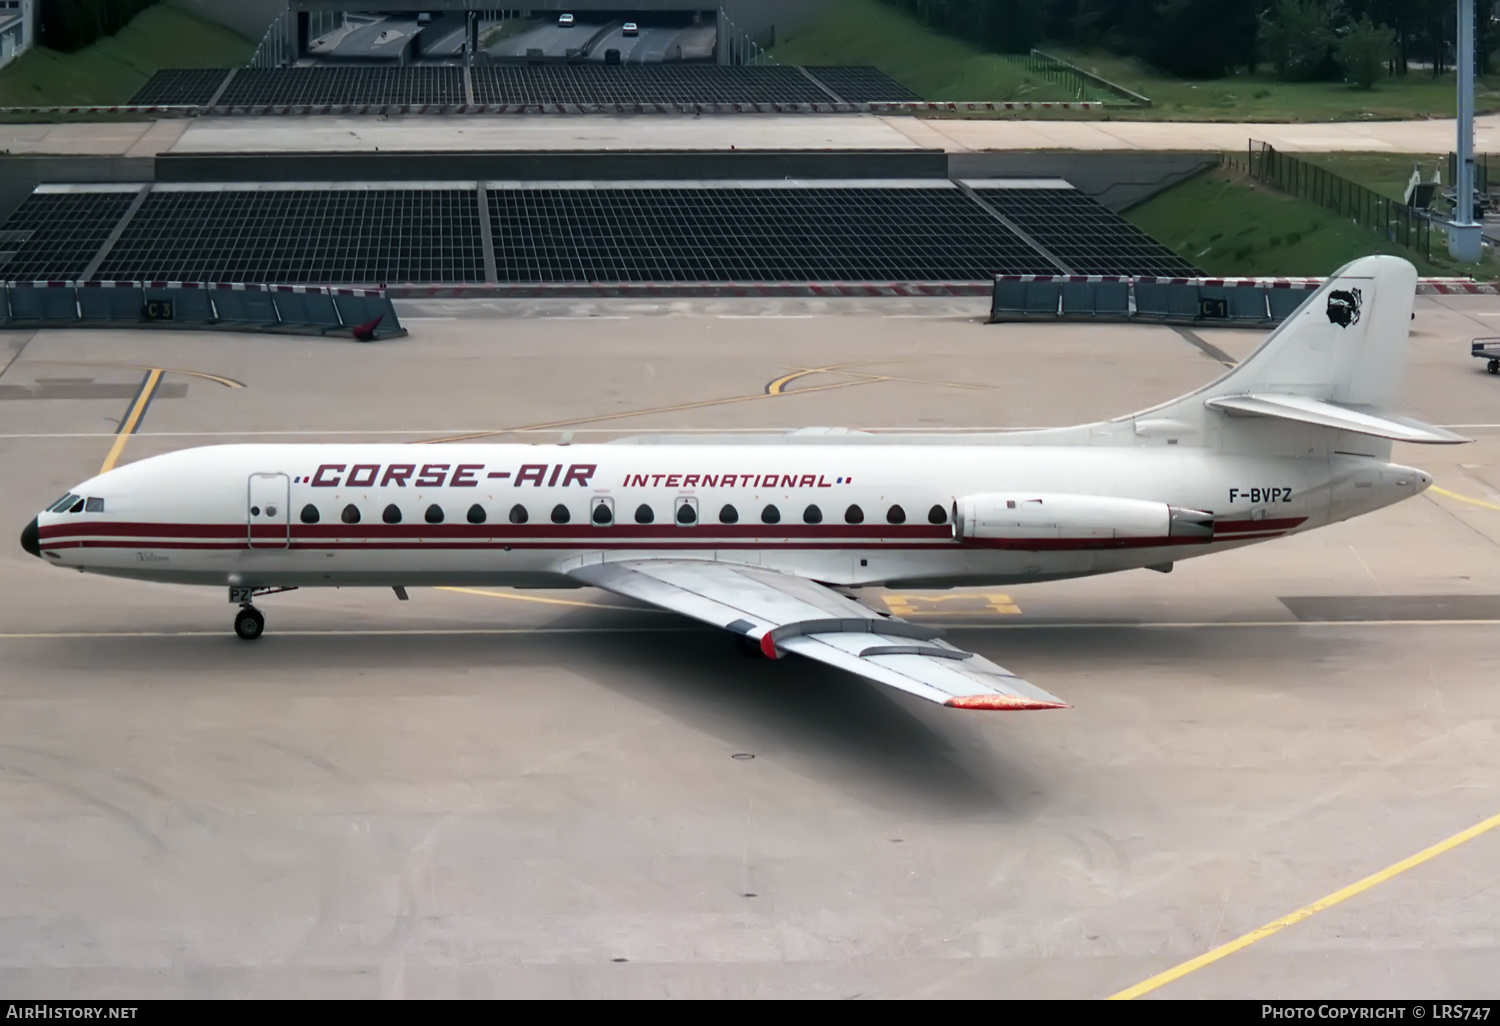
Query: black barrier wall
{"x":1144,"y":300}
{"x":365,"y":314}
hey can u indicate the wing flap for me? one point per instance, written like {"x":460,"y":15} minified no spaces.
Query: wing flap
{"x":791,"y":614}
{"x":1307,"y":410}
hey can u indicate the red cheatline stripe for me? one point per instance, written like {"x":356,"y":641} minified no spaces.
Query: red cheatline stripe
{"x":631,"y":545}
{"x":423,"y":546}
{"x":587,"y":532}
{"x":1242,"y":526}
{"x":583,"y":531}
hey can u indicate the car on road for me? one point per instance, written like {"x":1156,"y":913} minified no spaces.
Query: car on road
{"x":630,"y":29}
{"x":564,"y":21}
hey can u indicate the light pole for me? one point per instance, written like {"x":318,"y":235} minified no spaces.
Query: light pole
{"x":1463,"y":233}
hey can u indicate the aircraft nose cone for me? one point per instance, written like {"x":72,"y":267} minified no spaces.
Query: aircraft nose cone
{"x":31,"y":538}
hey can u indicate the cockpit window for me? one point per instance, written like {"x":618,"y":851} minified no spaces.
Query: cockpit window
{"x":63,"y":503}
{"x":93,"y":506}
{"x":77,"y":507}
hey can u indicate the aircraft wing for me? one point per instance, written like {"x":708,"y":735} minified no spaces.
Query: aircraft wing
{"x":783,"y":613}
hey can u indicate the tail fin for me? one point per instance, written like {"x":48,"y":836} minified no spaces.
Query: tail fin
{"x":1337,"y":363}
{"x":1346,"y":344}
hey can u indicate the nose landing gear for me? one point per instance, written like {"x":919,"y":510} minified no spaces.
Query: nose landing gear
{"x":249,"y":623}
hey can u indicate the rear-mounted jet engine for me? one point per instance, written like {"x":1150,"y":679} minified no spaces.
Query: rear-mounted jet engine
{"x":1000,"y":518}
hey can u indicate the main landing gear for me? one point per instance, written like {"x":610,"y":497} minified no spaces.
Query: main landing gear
{"x":249,"y":623}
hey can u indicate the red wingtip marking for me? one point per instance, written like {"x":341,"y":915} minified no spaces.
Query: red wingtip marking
{"x":768,"y":646}
{"x":1002,"y":702}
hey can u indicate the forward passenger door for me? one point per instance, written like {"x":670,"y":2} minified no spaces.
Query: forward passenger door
{"x":266,"y":512}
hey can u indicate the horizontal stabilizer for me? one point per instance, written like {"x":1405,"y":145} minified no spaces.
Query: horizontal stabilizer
{"x":1307,"y":410}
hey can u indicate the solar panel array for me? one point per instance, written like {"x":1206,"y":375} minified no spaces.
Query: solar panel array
{"x":1086,"y":235}
{"x":194,"y":87}
{"x":758,"y":234}
{"x":520,"y":83}
{"x":254,"y":87}
{"x":863,"y":84}
{"x":300,"y":236}
{"x":649,"y":83}
{"x":556,"y":233}
{"x":52,"y":236}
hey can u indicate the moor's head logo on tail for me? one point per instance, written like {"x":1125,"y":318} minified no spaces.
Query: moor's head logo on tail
{"x":1343,"y":307}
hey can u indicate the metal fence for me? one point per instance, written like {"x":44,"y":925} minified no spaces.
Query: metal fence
{"x":1399,"y":223}
{"x":1082,"y":85}
{"x":736,"y":46}
{"x":278,"y":47}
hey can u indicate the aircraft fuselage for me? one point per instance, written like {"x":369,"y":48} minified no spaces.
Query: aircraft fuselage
{"x":388,"y":515}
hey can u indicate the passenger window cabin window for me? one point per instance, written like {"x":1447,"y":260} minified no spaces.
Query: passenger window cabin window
{"x":310,"y":514}
{"x":644,"y":514}
{"x":350,"y":514}
{"x":895,"y":515}
{"x":391,"y":514}
{"x":937,"y":515}
{"x":729,"y":515}
{"x":812,"y":515}
{"x":476,"y":514}
{"x":770,"y":515}
{"x":854,"y":515}
{"x":434,"y":514}
{"x":602,"y":515}
{"x":687,"y":513}
{"x":93,"y":506}
{"x":518,"y":514}
{"x":560,"y":514}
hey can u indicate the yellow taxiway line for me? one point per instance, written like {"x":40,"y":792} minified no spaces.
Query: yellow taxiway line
{"x":1445,"y":493}
{"x":1306,"y":911}
{"x":132,"y":418}
{"x":549,"y":601}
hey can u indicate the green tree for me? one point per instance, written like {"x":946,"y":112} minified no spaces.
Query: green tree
{"x":1297,"y":36}
{"x":1363,"y":51}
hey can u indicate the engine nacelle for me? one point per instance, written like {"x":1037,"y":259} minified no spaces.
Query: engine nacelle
{"x":1019,"y":516}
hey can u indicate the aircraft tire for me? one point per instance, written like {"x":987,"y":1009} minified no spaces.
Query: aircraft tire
{"x":249,"y":623}
{"x":1493,"y":367}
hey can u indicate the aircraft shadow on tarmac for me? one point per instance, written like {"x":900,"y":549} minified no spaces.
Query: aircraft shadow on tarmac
{"x":888,"y":749}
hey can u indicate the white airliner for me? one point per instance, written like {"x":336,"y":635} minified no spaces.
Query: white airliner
{"x":770,"y":539}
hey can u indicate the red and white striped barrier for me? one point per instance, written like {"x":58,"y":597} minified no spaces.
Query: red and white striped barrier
{"x":689,"y":289}
{"x":388,"y":109}
{"x":751,"y":290}
{"x":1425,"y":286}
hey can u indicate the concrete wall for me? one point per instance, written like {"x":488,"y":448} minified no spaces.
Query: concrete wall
{"x":757,"y":17}
{"x":20,"y":174}
{"x":1118,"y":180}
{"x":250,"y":18}
{"x":539,"y":166}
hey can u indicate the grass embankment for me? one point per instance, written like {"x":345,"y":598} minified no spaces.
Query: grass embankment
{"x":942,"y":67}
{"x":1229,"y":225}
{"x":112,"y":69}
{"x":1260,"y":97}
{"x":933,"y":65}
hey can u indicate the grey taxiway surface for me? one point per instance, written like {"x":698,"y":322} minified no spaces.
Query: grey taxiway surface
{"x":497,"y":793}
